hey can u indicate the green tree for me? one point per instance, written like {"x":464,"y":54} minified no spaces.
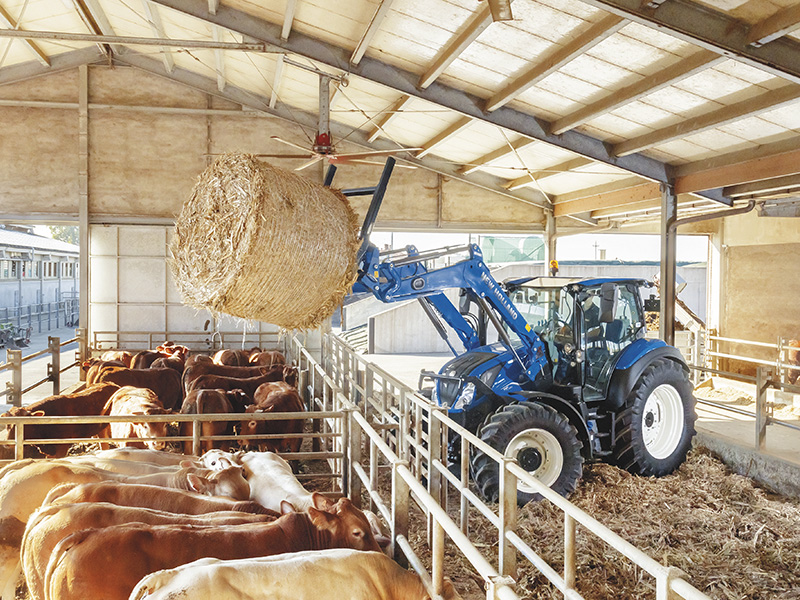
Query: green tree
{"x":65,"y":233}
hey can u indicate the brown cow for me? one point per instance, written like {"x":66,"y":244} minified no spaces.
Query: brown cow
{"x":166,"y":383}
{"x":275,"y":398}
{"x":106,"y":564}
{"x":145,"y":358}
{"x":204,"y":368}
{"x":211,"y":402}
{"x":93,"y":366}
{"x":234,"y":358}
{"x":168,"y":362}
{"x":118,"y":355}
{"x":89,"y":401}
{"x":149,"y":496}
{"x":50,"y":524}
{"x":248,"y":385}
{"x":131,"y":400}
{"x":793,"y":358}
{"x":267,"y":358}
{"x":196,"y":359}
{"x":227,"y":483}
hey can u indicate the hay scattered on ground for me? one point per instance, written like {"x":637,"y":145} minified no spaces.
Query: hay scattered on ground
{"x":259,"y":242}
{"x":733,"y":539}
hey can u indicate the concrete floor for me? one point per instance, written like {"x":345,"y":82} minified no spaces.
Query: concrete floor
{"x":36,"y":369}
{"x":730,"y":435}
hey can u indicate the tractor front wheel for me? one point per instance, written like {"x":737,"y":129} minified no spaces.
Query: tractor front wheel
{"x":543,"y":442}
{"x":655,"y":428}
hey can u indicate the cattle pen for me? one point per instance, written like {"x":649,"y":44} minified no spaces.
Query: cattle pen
{"x":384,"y":446}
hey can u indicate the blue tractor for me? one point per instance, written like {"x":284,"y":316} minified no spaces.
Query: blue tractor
{"x":564,"y":375}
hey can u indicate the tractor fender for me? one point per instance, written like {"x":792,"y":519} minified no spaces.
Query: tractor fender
{"x":568,"y":410}
{"x":623,"y":379}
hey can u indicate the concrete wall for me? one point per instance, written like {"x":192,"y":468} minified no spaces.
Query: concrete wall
{"x":760,"y":288}
{"x":143,"y":164}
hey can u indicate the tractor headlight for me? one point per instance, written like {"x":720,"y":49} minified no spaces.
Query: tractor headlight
{"x":579,"y":356}
{"x":465,"y":398}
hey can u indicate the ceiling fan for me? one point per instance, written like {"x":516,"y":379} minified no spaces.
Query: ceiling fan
{"x":322,"y":147}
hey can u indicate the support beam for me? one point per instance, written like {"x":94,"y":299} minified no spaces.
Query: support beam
{"x":219,"y":59}
{"x":786,"y":184}
{"x":501,"y":10}
{"x":771,"y":100}
{"x":445,"y":135}
{"x":404,"y":82}
{"x":595,"y":34}
{"x":390,"y":114}
{"x":95,"y":19}
{"x":495,"y":155}
{"x":550,"y":238}
{"x":782,"y":22}
{"x":213,"y":6}
{"x":37,"y":52}
{"x":633,"y":195}
{"x":476,"y":25}
{"x":259,"y":104}
{"x":277,"y":79}
{"x":288,"y":19}
{"x":713,"y":30}
{"x":372,"y":29}
{"x":669,"y":214}
{"x":686,"y":67}
{"x":83,"y":195}
{"x":530,"y":178}
{"x":58,"y":63}
{"x":740,"y":169}
{"x":157,"y":27}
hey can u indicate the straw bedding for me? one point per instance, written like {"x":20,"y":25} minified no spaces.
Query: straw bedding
{"x":259,"y":242}
{"x":733,"y":539}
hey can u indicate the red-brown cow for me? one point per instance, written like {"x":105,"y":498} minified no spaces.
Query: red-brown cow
{"x":149,"y":496}
{"x":275,"y":398}
{"x":106,"y":564}
{"x":119,"y":355}
{"x":89,"y":401}
{"x":131,"y":400}
{"x":201,"y":402}
{"x":50,"y":524}
{"x":166,"y":383}
{"x":234,"y":358}
{"x":248,"y":385}
{"x":199,"y":369}
{"x":93,"y":366}
{"x":267,"y":358}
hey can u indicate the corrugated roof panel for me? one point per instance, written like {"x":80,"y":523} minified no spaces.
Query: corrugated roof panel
{"x":17,"y":239}
{"x":658,"y":40}
{"x":576,"y":9}
{"x":650,"y":115}
{"x":713,"y":84}
{"x":269,"y":10}
{"x":745,"y":72}
{"x":553,"y":23}
{"x":682,"y":150}
{"x":544,"y":103}
{"x":716,"y":139}
{"x":599,"y":72}
{"x":612,"y":128}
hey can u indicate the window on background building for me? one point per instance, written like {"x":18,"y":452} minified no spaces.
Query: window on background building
{"x":5,"y":269}
{"x":14,"y":269}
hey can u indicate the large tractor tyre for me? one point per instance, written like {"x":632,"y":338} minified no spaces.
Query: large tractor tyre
{"x":542,"y":440}
{"x":654,"y":430}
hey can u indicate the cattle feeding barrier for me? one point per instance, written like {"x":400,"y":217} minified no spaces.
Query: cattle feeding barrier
{"x":203,"y":341}
{"x":15,"y":363}
{"x":394,"y":448}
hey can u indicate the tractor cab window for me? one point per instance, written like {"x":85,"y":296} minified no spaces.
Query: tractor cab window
{"x":549,"y":311}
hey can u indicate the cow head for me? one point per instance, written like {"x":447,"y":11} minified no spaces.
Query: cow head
{"x":347,"y":525}
{"x":290,"y":375}
{"x":216,"y":460}
{"x":148,"y":430}
{"x":238,"y":399}
{"x":228,"y":482}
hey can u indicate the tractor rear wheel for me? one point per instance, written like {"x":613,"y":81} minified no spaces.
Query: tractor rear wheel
{"x":655,"y":428}
{"x":543,"y":442}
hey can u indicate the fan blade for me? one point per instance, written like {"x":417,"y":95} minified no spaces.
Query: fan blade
{"x":292,"y":144}
{"x":314,"y":160}
{"x":367,"y":153}
{"x":361,"y":161}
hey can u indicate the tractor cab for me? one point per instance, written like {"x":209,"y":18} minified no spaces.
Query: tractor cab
{"x":586,"y":324}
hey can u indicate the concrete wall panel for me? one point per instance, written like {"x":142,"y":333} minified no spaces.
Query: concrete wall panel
{"x":58,"y":87}
{"x":39,"y":161}
{"x":467,"y":204}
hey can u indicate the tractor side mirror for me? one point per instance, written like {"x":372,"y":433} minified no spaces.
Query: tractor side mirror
{"x":608,"y":302}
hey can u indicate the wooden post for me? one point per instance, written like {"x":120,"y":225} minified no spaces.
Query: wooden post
{"x":401,"y":498}
{"x":508,"y":518}
{"x":763,"y":381}
{"x":14,"y":387}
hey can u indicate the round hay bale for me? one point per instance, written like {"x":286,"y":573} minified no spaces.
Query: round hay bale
{"x":259,"y":242}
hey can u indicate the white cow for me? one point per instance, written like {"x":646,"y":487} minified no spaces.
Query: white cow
{"x":337,"y":573}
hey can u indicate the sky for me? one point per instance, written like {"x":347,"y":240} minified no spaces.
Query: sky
{"x":625,"y":247}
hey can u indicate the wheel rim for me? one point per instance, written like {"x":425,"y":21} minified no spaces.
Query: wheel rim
{"x":538,"y":452}
{"x":662,"y":421}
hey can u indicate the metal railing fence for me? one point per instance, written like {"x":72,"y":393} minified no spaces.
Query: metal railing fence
{"x":15,"y":363}
{"x":397,"y":434}
{"x":43,"y":315}
{"x":203,"y":341}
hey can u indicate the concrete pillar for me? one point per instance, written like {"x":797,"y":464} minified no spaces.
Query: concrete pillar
{"x":714,"y":279}
{"x":669,"y":214}
{"x":83,"y":193}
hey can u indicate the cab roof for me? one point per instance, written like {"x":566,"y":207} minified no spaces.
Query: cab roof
{"x":560,"y":282}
